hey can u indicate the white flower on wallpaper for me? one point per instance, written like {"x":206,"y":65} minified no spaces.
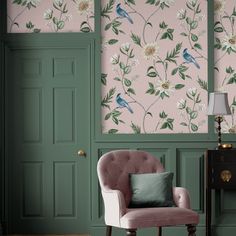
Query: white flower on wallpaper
{"x":154,"y":66}
{"x":225,"y":57}
{"x":26,"y":16}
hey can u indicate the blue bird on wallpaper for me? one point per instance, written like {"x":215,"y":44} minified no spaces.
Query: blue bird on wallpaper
{"x":122,"y":13}
{"x":189,"y":58}
{"x":122,"y":103}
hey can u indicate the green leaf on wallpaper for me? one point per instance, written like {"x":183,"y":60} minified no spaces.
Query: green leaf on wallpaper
{"x":163,"y":115}
{"x":198,"y":46}
{"x":194,"y":24}
{"x":115,"y":120}
{"x":112,"y":131}
{"x":107,"y":116}
{"x":61,"y":25}
{"x":84,"y":27}
{"x":232,"y":80}
{"x":127,"y":70}
{"x":29,"y":25}
{"x":234,"y":102}
{"x":174,"y":71}
{"x":55,"y":6}
{"x":218,"y":27}
{"x":229,"y":70}
{"x":136,"y":39}
{"x":117,"y":79}
{"x":136,"y":129}
{"x":174,"y":54}
{"x":234,"y":12}
{"x":217,"y":44}
{"x":122,"y":65}
{"x":168,"y":124}
{"x":190,"y":99}
{"x":149,"y":23}
{"x":108,"y":9}
{"x":131,"y":90}
{"x":203,"y":84}
{"x":163,"y":95}
{"x":152,"y":2}
{"x":131,"y":1}
{"x":168,"y":34}
{"x":189,"y":7}
{"x":163,"y":25}
{"x":198,"y":100}
{"x":194,"y":127}
{"x":127,"y":82}
{"x":36,"y":30}
{"x":151,"y":89}
{"x":157,"y":92}
{"x":108,"y":26}
{"x":198,"y":10}
{"x":17,"y":2}
{"x":189,"y":20}
{"x":193,"y":115}
{"x":112,"y":41}
{"x":108,"y":98}
{"x":179,"y":86}
{"x":150,"y":114}
{"x":64,"y":9}
{"x":194,"y":37}
{"x":151,"y":72}
{"x":104,"y":79}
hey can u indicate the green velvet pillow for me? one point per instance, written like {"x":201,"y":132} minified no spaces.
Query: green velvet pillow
{"x":151,"y":190}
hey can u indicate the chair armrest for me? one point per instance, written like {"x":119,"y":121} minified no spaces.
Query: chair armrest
{"x":181,"y":197}
{"x":115,"y":206}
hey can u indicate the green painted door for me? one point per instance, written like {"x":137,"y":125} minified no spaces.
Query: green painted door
{"x":48,"y":121}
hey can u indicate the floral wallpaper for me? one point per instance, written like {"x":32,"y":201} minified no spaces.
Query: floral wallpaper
{"x":225,"y":57}
{"x":35,"y":16}
{"x":154,"y":66}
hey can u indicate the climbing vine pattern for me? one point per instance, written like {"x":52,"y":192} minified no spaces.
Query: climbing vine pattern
{"x":225,"y":57}
{"x":154,"y":66}
{"x":35,"y":16}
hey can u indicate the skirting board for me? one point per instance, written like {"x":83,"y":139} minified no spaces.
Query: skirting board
{"x":167,"y":231}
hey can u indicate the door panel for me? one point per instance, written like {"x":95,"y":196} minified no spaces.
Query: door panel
{"x":48,"y":122}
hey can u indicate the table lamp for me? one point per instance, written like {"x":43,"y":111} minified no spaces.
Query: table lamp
{"x":219,"y":106}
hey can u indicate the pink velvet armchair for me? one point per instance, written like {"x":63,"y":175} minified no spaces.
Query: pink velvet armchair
{"x":113,"y":173}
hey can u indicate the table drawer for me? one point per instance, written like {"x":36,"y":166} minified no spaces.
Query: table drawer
{"x":223,"y":157}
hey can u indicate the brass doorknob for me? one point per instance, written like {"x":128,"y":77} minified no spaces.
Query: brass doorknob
{"x":81,"y":153}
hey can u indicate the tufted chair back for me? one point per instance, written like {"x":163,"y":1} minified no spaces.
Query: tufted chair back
{"x":114,"y":168}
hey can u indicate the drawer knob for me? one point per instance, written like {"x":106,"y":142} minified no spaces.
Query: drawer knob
{"x":225,"y":175}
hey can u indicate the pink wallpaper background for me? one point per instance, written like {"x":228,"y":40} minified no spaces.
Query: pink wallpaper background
{"x":225,"y":57}
{"x":27,"y":16}
{"x":143,"y":60}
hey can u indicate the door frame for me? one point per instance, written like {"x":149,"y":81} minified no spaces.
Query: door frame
{"x":38,"y":41}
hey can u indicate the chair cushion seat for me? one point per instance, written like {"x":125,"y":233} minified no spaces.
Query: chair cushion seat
{"x":162,"y":216}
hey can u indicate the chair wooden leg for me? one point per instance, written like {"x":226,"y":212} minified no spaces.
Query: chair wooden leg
{"x":131,"y":232}
{"x":191,"y":230}
{"x":159,"y":231}
{"x":109,"y":230}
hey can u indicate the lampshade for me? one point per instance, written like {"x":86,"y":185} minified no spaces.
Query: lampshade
{"x":218,"y":104}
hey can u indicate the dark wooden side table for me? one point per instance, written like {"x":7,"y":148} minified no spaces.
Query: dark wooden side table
{"x":220,"y":174}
